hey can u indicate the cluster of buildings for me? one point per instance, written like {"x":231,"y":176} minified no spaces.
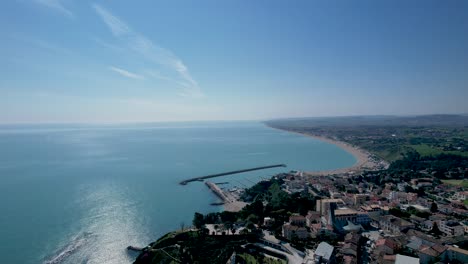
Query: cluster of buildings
{"x":381,"y":223}
{"x":355,"y":220}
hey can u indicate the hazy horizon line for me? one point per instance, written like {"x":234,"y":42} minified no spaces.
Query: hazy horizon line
{"x":221,"y":120}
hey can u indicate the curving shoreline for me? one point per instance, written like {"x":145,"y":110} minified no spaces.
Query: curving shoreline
{"x":364,"y":161}
{"x":363,"y":158}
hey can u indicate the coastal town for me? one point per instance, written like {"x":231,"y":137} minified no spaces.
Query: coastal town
{"x":410,"y":210}
{"x":234,"y":132}
{"x":353,"y":220}
{"x":349,"y":218}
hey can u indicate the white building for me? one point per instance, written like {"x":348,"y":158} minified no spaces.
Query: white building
{"x":451,"y":228}
{"x":460,"y":196}
{"x":324,"y":253}
{"x":392,"y":196}
{"x":402,"y":259}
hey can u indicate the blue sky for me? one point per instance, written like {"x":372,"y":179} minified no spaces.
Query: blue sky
{"x":140,"y":61}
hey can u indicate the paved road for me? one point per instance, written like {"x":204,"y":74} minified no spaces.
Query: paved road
{"x":292,"y":259}
{"x":294,"y":255}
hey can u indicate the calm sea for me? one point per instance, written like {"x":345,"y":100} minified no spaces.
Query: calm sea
{"x":83,"y":193}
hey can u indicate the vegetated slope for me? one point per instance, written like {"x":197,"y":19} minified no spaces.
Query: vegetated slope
{"x":192,"y":247}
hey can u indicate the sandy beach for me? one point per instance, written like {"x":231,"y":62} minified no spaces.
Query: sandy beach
{"x":363,"y":158}
{"x":235,"y":206}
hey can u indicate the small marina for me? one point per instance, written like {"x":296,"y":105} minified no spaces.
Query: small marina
{"x":229,"y":198}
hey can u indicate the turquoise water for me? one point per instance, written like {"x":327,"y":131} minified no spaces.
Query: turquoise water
{"x":83,"y":193}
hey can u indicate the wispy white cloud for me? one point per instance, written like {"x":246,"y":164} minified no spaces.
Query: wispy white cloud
{"x":118,"y":27}
{"x":126,"y":73}
{"x":57,"y":6}
{"x":141,"y":45}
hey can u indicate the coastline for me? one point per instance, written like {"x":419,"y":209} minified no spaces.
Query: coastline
{"x":363,"y":158}
{"x":364,"y":161}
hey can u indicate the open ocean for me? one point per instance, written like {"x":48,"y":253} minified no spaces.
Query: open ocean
{"x":83,"y":193}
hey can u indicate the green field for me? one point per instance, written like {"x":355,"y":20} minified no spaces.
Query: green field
{"x":462,"y":183}
{"x":426,"y":150}
{"x":388,"y":155}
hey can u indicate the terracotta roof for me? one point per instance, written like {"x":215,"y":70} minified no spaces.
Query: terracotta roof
{"x":429,"y":251}
{"x":296,"y":217}
{"x":316,"y":226}
{"x":349,"y":259}
{"x":433,"y":251}
{"x":439,"y":248}
{"x":387,"y":242}
{"x":345,"y":211}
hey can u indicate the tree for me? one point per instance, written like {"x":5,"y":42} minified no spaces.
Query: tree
{"x":228,"y":226}
{"x":421,"y":192}
{"x":435,"y":230}
{"x":198,"y":220}
{"x":253,"y":218}
{"x":434,"y":207}
{"x":233,"y":229}
{"x":228,"y":216}
{"x":244,"y":231}
{"x":409,"y":189}
{"x":250,"y":226}
{"x":399,"y":213}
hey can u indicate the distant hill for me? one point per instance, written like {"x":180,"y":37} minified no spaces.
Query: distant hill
{"x":439,"y":120}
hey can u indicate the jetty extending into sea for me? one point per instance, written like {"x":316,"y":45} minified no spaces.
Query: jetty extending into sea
{"x":226,"y":197}
{"x":229,"y":199}
{"x":184,"y":182}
